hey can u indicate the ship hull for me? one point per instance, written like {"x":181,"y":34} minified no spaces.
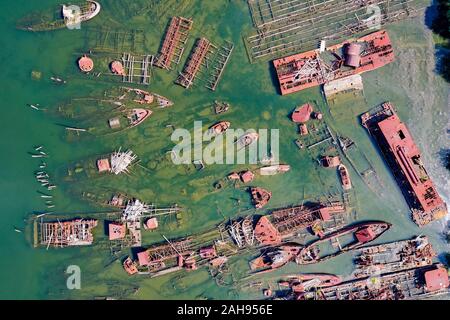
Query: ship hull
{"x":404,"y":158}
{"x":311,"y":253}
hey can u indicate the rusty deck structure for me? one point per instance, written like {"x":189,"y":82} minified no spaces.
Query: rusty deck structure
{"x":61,"y":234}
{"x":393,"y":256}
{"x":172,"y":47}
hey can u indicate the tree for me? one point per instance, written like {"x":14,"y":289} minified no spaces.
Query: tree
{"x":441,"y":23}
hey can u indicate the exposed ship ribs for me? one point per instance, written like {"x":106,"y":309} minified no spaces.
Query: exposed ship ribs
{"x":163,"y":252}
{"x":293,"y":219}
{"x":67,"y":233}
{"x":284,"y":223}
{"x":198,"y":55}
{"x":172,"y":48}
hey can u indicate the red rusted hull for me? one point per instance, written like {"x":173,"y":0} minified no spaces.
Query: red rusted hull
{"x":404,"y":158}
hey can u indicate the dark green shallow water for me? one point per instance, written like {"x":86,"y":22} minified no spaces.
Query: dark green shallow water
{"x":410,"y":83}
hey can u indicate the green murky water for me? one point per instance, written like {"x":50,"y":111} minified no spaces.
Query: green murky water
{"x":420,"y":97}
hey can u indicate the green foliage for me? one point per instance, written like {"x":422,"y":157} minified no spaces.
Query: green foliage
{"x":441,"y":24}
{"x":447,"y":160}
{"x":444,"y":67}
{"x":447,"y":259}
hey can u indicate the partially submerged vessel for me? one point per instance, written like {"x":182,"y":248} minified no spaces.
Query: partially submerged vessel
{"x":242,"y":232}
{"x":244,"y":176}
{"x":275,"y":257}
{"x":361,"y":233}
{"x":405,"y":160}
{"x":274,"y":169}
{"x":394,"y":256}
{"x":143,"y":97}
{"x":330,"y":161}
{"x":66,"y":16}
{"x":115,"y":101}
{"x":219,"y":128}
{"x":418,"y":283}
{"x":118,"y":120}
{"x":175,"y":38}
{"x":117,"y":162}
{"x":167,"y":258}
{"x":345,"y":177}
{"x":260,"y":197}
{"x":130,"y":266}
{"x":313,"y":68}
{"x":246,"y":140}
{"x":305,"y":282}
{"x":106,"y":198}
{"x":117,"y":110}
{"x":177,"y":256}
{"x":77,"y":232}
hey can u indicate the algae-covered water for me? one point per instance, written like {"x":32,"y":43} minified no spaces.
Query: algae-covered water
{"x":420,"y":96}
